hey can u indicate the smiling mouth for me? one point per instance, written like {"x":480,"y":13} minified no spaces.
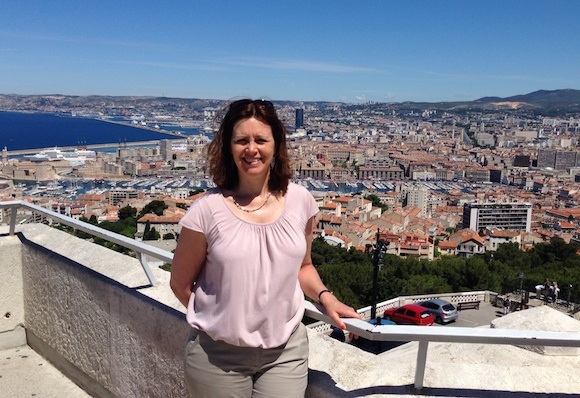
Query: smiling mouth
{"x":252,"y":160}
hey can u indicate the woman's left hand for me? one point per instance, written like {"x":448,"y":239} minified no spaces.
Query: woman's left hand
{"x":336,"y":309}
{"x":312,"y":286}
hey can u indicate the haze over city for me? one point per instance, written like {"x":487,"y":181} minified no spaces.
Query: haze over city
{"x":311,"y":51}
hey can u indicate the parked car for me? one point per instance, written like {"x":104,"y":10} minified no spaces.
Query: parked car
{"x":443,"y":311}
{"x":410,"y":314}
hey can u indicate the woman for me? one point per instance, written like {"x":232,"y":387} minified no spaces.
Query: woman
{"x":242,"y":265}
{"x":555,"y":292}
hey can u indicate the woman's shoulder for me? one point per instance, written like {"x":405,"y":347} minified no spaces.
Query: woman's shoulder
{"x":207,"y":198}
{"x":296,"y":189}
{"x":210,"y":194}
{"x":300,"y":197}
{"x":202,"y":209}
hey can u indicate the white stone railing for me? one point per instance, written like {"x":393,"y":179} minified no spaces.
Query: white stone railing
{"x":143,"y":251}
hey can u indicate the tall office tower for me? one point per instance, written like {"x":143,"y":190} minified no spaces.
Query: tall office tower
{"x":299,"y":118}
{"x":565,"y":160}
{"x":166,"y":150}
{"x":512,"y":216}
{"x":522,"y":161}
{"x":557,"y":159}
{"x":546,"y":158}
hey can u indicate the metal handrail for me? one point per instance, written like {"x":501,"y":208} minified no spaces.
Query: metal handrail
{"x":142,"y":250}
{"x":423,"y":335}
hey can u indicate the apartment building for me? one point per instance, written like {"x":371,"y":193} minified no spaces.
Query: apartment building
{"x":498,"y":236}
{"x":120,"y":196}
{"x":508,"y":216}
{"x":316,"y":173}
{"x":415,"y":246}
{"x":558,"y":159}
{"x":380,"y":173}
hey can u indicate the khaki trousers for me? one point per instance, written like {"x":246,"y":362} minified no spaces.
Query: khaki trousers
{"x":214,"y":369}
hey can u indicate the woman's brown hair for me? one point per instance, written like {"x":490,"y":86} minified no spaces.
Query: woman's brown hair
{"x":222,"y":168}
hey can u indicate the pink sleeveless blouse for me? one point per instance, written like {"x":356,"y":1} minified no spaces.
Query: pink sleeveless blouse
{"x":247,"y":293}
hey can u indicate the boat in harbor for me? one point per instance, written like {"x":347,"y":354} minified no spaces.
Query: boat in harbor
{"x":75,"y":158}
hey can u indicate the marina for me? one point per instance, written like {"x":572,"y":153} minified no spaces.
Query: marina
{"x":72,"y":188}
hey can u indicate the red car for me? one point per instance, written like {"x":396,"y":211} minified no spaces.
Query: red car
{"x":410,"y":314}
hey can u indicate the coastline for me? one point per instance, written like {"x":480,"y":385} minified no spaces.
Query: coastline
{"x":42,"y":129}
{"x":95,"y":147}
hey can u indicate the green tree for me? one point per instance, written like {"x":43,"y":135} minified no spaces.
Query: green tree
{"x":377,"y":202}
{"x":425,"y":284}
{"x":127,"y":212}
{"x":155,"y":206}
{"x":349,"y":273}
{"x":195,"y":192}
{"x":150,"y":233}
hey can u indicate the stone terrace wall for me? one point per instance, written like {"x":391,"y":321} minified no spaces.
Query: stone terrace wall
{"x":110,"y":338}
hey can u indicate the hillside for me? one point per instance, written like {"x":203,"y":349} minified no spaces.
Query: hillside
{"x":542,"y":102}
{"x":553,"y":102}
{"x":563,"y":102}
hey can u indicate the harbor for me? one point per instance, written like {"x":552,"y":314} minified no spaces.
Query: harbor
{"x":70,"y":188}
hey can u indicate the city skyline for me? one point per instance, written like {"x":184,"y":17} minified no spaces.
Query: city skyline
{"x":309,"y":51}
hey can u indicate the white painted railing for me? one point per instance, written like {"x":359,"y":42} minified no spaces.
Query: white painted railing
{"x":143,"y":251}
{"x":423,"y":335}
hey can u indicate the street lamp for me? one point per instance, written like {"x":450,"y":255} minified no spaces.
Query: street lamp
{"x":376,"y":253}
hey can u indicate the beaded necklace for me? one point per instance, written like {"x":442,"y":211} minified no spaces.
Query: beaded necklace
{"x":253,"y":210}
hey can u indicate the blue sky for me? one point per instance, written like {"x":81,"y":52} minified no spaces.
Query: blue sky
{"x":351,"y":51}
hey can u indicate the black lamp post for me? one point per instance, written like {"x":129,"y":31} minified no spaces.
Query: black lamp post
{"x":376,"y":253}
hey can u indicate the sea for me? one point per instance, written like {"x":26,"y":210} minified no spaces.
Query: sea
{"x":20,"y":131}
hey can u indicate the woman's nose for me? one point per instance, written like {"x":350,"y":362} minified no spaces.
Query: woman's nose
{"x":251,"y":146}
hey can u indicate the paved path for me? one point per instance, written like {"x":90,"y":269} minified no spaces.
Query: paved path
{"x":472,"y":318}
{"x":25,"y":374}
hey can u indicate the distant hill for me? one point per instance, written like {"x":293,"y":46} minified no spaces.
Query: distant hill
{"x":542,"y":102}
{"x":555,"y":102}
{"x":545,"y":97}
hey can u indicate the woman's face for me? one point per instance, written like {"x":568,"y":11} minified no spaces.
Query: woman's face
{"x":252,"y":147}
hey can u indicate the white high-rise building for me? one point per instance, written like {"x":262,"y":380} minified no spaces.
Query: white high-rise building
{"x":510,"y":216}
{"x":419,"y":197}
